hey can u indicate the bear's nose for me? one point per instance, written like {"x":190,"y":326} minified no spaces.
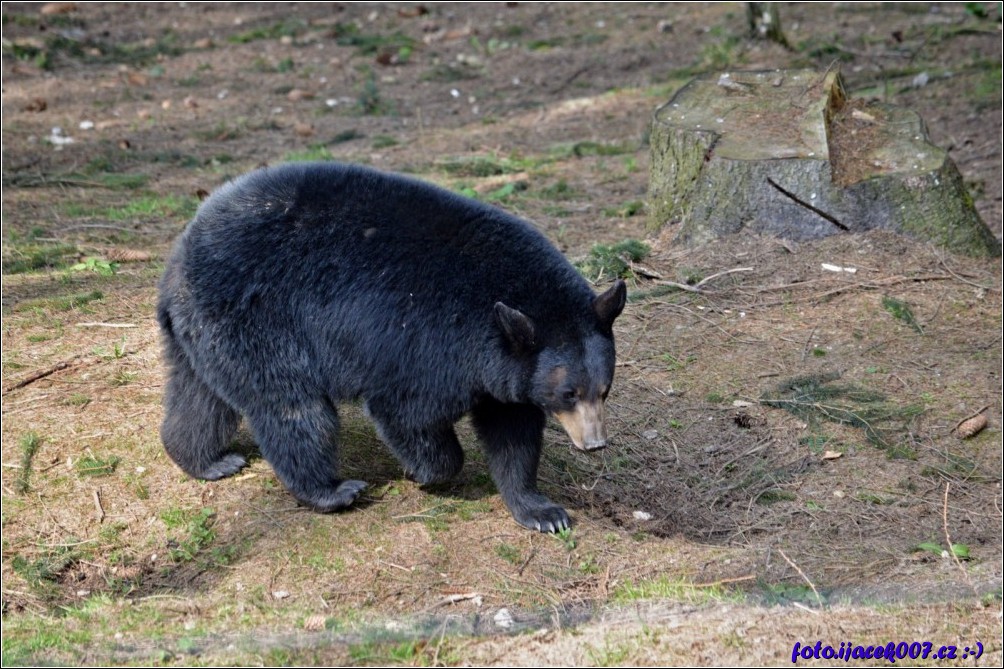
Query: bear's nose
{"x":594,"y":444}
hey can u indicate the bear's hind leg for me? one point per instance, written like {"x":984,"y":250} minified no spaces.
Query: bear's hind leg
{"x":198,"y":425}
{"x":301,"y":443}
{"x":512,"y":435}
{"x":430,"y":455}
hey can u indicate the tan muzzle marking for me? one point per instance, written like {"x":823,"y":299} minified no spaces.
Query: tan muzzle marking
{"x":585,"y":425}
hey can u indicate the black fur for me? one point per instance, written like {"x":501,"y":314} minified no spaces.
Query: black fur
{"x":300,"y":286}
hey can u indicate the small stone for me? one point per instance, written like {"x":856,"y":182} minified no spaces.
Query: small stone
{"x":503,"y":618}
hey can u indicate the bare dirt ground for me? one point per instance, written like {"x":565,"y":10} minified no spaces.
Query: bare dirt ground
{"x":785,"y":465}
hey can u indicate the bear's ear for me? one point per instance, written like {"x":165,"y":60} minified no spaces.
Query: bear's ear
{"x":610,"y":304}
{"x":517,"y":326}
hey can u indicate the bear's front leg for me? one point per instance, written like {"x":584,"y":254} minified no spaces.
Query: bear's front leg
{"x":512,"y":435}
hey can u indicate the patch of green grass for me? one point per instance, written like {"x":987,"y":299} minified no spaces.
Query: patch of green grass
{"x":347,"y":136}
{"x":116,"y":181}
{"x":369,"y":100}
{"x":609,"y":655}
{"x":439,"y":517}
{"x":587,"y":148}
{"x":559,"y":190}
{"x":777,"y":594}
{"x":817,"y":443}
{"x":957,"y":467}
{"x":316,"y":152}
{"x":142,"y":207}
{"x":872,"y":498}
{"x":224,"y":131}
{"x":823,"y":49}
{"x":448,"y":73}
{"x":384,"y":142}
{"x":68,"y":302}
{"x":348,"y":34}
{"x":118,"y":351}
{"x":29,"y":444}
{"x":901,"y":311}
{"x":674,"y":363}
{"x":46,"y":570}
{"x":610,"y":261}
{"x":196,"y":531}
{"x":290,"y":27}
{"x":721,"y":54}
{"x":90,"y":465}
{"x":21,"y":258}
{"x":60,"y":49}
{"x":22,"y":644}
{"x":481,"y":166}
{"x":505,"y":192}
{"x":566,"y":537}
{"x":664,"y":587}
{"x":27,"y":52}
{"x":123,"y":378}
{"x":509,"y":553}
{"x":626,"y":210}
{"x":775,"y":495}
{"x":389,"y":652}
{"x":815,"y":399}
{"x":987,"y":91}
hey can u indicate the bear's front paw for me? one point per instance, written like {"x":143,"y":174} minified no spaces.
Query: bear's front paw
{"x":339,"y":498}
{"x":550,"y":518}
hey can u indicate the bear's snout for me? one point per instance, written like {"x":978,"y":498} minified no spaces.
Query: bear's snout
{"x":585,"y":425}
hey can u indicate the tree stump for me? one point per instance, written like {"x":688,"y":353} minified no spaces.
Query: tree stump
{"x":786,"y":153}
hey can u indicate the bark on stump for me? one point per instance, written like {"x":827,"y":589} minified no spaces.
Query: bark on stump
{"x":785,"y":153}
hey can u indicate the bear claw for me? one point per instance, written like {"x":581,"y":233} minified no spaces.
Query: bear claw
{"x":550,"y":520}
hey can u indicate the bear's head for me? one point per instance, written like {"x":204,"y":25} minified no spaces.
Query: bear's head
{"x":573,"y":364}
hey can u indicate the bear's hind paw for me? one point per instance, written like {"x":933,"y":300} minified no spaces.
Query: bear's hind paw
{"x":228,"y":465}
{"x":339,"y":498}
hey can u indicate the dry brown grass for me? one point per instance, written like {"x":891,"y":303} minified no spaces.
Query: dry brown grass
{"x":719,"y":527}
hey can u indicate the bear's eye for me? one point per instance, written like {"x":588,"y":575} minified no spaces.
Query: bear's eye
{"x":568,"y":395}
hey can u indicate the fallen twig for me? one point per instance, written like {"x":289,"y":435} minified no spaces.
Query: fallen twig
{"x":802,"y":574}
{"x":696,"y":288}
{"x":948,"y":540}
{"x":106,"y":325}
{"x":31,"y":378}
{"x":97,"y":505}
{"x":723,"y":581}
{"x":864,"y":285}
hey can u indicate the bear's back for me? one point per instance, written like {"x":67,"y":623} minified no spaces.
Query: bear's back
{"x":337,"y":230}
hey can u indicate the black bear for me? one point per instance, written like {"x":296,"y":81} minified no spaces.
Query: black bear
{"x":300,"y":286}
